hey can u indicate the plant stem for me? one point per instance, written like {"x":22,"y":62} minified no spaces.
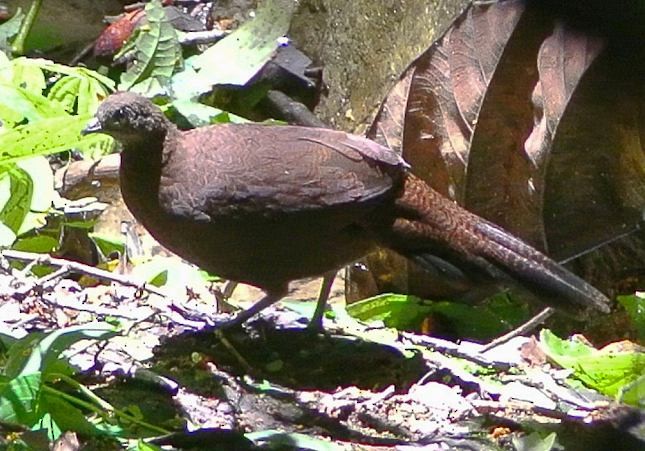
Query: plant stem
{"x":18,"y":46}
{"x":91,"y":407}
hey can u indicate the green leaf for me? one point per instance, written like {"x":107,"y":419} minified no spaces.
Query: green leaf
{"x":237,"y":58}
{"x":45,"y":137}
{"x":41,"y":177}
{"x":395,"y":310}
{"x":80,"y":92}
{"x":633,"y":393}
{"x":19,"y":398}
{"x":47,"y":423}
{"x":32,"y":104}
{"x":408,"y":312}
{"x":198,"y":114}
{"x":607,"y":370}
{"x":26,"y":193}
{"x":29,"y":105}
{"x":65,"y":91}
{"x":9,"y":29}
{"x":35,"y":354}
{"x":29,"y":77}
{"x":65,"y":415}
{"x":534,"y":442}
{"x":169,"y":272}
{"x":293,"y":440}
{"x":40,"y":244}
{"x":16,"y":192}
{"x":157,"y":53}
{"x":55,"y":68}
{"x":108,"y":244}
{"x":635,"y":307}
{"x":143,"y":446}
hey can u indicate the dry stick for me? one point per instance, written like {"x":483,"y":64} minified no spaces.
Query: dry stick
{"x":202,"y":37}
{"x":291,"y":110}
{"x":520,"y":330}
{"x":234,"y":352}
{"x":491,"y":407}
{"x":71,"y":266}
{"x":454,"y":350}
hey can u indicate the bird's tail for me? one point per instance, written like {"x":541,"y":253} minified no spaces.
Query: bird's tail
{"x":444,"y":238}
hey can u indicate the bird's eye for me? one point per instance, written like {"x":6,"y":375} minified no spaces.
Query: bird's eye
{"x":118,"y":115}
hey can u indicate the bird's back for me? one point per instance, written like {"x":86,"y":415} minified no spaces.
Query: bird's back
{"x":268,"y":204}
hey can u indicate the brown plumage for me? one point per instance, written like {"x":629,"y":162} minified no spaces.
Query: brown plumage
{"x":266,"y":205}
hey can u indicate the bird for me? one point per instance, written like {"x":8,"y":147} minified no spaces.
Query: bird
{"x":267,"y":204}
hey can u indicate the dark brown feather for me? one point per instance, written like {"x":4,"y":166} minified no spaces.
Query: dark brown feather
{"x":268,"y":204}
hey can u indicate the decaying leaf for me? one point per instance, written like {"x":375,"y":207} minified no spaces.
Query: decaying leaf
{"x":534,"y":121}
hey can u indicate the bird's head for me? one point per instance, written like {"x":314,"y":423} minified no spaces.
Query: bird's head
{"x":128,"y":117}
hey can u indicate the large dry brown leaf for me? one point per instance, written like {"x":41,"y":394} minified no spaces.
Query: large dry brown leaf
{"x":448,"y":85}
{"x":535,"y":122}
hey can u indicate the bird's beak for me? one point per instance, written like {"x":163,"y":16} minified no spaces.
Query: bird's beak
{"x":93,"y":126}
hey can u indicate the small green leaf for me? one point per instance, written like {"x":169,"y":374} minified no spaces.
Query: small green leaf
{"x":408,"y":312}
{"x":9,"y":29}
{"x":29,"y":78}
{"x":607,"y":370}
{"x":40,"y":244}
{"x":19,"y":398}
{"x":198,"y":114}
{"x":169,"y":272}
{"x":633,"y":393}
{"x":237,"y":58}
{"x":293,"y":440}
{"x":65,"y":91}
{"x":157,"y":55}
{"x":45,"y":137}
{"x":143,"y":446}
{"x":18,"y":197}
{"x":635,"y":307}
{"x":108,"y":244}
{"x":66,"y":416}
{"x":395,"y":310}
{"x":26,"y":193}
{"x":47,"y":423}
{"x":35,"y":353}
{"x":534,"y":442}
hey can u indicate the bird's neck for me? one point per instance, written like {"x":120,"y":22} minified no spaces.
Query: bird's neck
{"x":142,"y":153}
{"x":140,"y":173}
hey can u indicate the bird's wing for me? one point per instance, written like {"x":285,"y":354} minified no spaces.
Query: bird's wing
{"x":238,"y":169}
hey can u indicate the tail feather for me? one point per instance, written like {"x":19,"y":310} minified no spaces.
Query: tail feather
{"x":535,"y":269}
{"x":464,"y":248}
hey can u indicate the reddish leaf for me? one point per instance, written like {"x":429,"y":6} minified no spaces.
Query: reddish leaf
{"x":114,"y":36}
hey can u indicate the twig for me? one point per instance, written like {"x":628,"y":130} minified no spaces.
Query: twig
{"x":72,"y":266}
{"x":234,"y":352}
{"x":292,"y":111}
{"x":487,"y":407}
{"x":454,"y":350}
{"x":202,"y":37}
{"x":98,"y":310}
{"x":82,"y":53}
{"x":521,"y":330}
{"x":176,"y":313}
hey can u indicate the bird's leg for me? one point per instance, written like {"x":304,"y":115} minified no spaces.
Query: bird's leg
{"x":270,"y":298}
{"x":315,"y":324}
